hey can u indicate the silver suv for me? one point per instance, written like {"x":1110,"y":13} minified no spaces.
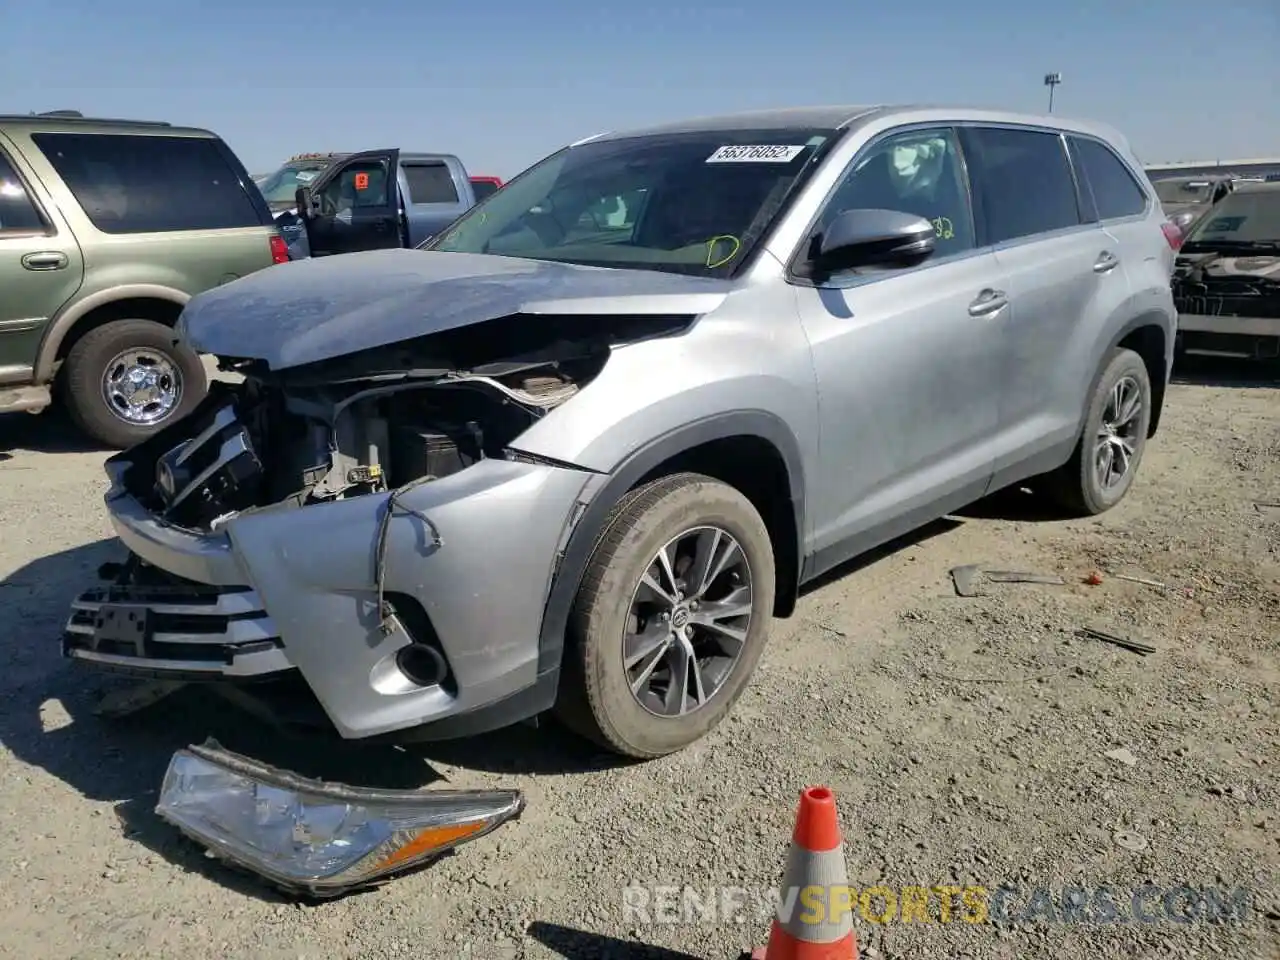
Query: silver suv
{"x":577,"y":451}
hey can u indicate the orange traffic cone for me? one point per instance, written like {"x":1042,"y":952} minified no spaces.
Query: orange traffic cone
{"x":801,"y":931}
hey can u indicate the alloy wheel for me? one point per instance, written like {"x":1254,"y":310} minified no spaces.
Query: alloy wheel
{"x":688,"y":621}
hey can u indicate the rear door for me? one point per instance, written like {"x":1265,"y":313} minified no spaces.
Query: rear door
{"x":40,"y":265}
{"x":1064,"y":280}
{"x":1121,"y":205}
{"x":356,"y":205}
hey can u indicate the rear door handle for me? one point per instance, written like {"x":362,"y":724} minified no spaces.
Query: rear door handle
{"x":988,"y":302}
{"x":46,"y":260}
{"x":1106,"y":262}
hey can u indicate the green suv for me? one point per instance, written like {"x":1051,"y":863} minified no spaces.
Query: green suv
{"x":107,"y":228}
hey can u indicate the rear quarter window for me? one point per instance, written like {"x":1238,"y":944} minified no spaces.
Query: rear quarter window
{"x":150,"y":184}
{"x":430,"y":183}
{"x":1115,"y":191}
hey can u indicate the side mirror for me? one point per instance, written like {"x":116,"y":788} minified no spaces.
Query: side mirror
{"x":302,"y":199}
{"x":873,"y":238}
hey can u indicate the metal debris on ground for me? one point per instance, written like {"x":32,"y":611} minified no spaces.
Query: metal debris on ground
{"x":1133,"y":646}
{"x":1093,"y":579}
{"x":123,"y":701}
{"x":1266,"y":506}
{"x":965,"y":579}
{"x":1129,"y":841}
{"x":1015,"y":576}
{"x":1142,"y":580}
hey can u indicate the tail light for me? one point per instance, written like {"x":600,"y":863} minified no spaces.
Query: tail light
{"x":1173,"y":235}
{"x":279,"y":249}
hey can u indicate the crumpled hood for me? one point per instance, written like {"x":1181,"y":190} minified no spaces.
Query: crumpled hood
{"x":1235,"y":266}
{"x":311,"y":310}
{"x":1222,"y":265}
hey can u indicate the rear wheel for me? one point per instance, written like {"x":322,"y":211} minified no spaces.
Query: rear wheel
{"x":125,"y":380}
{"x":1105,"y":462}
{"x":671,"y":618}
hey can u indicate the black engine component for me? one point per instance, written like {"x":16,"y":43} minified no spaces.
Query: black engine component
{"x":437,"y":451}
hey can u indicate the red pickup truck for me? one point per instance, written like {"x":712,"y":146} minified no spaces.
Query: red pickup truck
{"x":483,"y":186}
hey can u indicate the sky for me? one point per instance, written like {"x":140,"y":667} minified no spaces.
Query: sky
{"x":504,"y":83}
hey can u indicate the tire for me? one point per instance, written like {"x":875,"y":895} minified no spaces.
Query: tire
{"x":85,"y":368}
{"x":1077,"y":485}
{"x":595,"y":698}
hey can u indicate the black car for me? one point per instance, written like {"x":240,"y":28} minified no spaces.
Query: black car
{"x":1226,"y":282}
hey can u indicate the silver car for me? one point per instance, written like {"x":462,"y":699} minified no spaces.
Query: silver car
{"x":579,"y":450}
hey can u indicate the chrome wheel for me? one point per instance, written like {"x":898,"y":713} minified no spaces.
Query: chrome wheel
{"x":141,"y":387}
{"x":1117,"y":439}
{"x":688,"y":622}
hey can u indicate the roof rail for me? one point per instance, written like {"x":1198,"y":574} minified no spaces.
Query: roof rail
{"x":76,"y":115}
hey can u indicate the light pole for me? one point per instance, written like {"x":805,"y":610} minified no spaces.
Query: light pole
{"x":1051,"y":80}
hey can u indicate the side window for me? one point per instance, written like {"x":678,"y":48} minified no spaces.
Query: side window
{"x":430,"y":183}
{"x":1023,"y":184}
{"x":127,"y":183}
{"x":917,"y":172}
{"x":18,"y":213}
{"x":1115,"y":192}
{"x":359,"y":185}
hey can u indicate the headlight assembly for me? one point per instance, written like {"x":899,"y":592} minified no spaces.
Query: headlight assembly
{"x":318,"y":838}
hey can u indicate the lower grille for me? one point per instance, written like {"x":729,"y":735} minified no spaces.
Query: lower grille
{"x":179,"y":629}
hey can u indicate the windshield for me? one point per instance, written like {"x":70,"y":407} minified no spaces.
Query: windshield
{"x":284,"y":183}
{"x":1248,"y":216}
{"x":692,"y":203}
{"x":1183,"y":191}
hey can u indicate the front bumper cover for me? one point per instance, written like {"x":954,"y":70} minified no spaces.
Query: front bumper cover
{"x":294,"y":589}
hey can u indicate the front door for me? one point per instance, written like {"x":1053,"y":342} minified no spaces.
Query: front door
{"x":906,"y":361}
{"x":40,"y":268}
{"x":356,"y":205}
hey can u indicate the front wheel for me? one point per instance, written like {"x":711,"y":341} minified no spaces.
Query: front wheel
{"x":125,"y":380}
{"x":1106,"y":459}
{"x":671,"y":618}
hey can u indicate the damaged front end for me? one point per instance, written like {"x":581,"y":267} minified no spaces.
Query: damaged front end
{"x":1228,"y":301}
{"x":360,"y":523}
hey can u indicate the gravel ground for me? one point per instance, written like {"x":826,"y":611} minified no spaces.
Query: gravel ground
{"x":971,"y":741}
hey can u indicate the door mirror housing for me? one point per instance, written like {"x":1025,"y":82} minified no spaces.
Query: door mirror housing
{"x":302,"y":199}
{"x":873,"y":238}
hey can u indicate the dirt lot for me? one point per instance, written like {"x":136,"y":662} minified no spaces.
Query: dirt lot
{"x":967,"y":740}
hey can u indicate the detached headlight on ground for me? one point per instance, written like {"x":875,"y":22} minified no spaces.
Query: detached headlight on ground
{"x":319,"y":838}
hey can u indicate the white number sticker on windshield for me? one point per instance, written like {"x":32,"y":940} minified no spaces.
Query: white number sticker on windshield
{"x":755,"y":153}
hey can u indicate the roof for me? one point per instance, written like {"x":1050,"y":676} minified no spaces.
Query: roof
{"x":840,"y":116}
{"x":66,"y":123}
{"x":777,"y":119}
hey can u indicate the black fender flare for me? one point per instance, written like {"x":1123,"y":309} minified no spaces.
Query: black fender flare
{"x":586,"y":532}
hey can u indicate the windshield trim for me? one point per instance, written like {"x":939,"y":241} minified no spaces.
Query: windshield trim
{"x":758,"y":243}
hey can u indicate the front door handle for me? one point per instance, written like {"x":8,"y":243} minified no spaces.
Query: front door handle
{"x":988,"y":302}
{"x":46,"y":260}
{"x":1106,"y":262}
